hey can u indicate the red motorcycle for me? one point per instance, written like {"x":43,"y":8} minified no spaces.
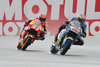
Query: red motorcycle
{"x":34,"y":32}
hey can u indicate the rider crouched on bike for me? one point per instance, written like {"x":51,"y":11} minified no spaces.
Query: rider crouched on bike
{"x":41,"y":21}
{"x":80,"y":18}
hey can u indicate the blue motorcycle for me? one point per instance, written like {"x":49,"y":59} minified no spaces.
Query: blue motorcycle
{"x":73,"y":32}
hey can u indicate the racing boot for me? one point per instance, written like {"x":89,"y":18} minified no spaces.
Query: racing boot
{"x":79,"y":42}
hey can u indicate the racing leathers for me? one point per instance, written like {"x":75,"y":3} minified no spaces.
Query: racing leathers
{"x":34,"y":21}
{"x":63,"y":31}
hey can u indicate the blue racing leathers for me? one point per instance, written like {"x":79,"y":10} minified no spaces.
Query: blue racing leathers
{"x":67,"y":29}
{"x":83,"y":26}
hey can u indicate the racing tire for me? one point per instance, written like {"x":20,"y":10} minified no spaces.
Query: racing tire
{"x":26,"y":42}
{"x":65,"y":48}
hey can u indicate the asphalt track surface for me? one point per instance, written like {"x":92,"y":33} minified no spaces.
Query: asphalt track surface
{"x":38,"y":54}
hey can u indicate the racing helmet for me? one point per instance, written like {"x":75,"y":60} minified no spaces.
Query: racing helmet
{"x":42,"y":18}
{"x":81,"y":18}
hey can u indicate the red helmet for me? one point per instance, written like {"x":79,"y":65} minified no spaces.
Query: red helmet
{"x":42,"y":18}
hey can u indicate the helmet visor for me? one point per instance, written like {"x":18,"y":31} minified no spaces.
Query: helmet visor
{"x":81,"y":20}
{"x":42,"y":19}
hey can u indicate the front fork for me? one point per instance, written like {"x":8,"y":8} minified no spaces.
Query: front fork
{"x":32,"y":36}
{"x":65,"y":39}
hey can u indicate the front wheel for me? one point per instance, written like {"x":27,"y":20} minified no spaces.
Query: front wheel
{"x":26,"y":42}
{"x":65,"y":48}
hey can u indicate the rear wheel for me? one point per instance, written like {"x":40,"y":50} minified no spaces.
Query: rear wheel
{"x":26,"y":42}
{"x":65,"y":48}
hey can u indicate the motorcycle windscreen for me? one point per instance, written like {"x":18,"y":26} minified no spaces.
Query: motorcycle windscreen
{"x":76,"y":26}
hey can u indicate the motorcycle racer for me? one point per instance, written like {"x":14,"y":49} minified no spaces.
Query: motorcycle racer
{"x":80,"y":18}
{"x":40,"y":22}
